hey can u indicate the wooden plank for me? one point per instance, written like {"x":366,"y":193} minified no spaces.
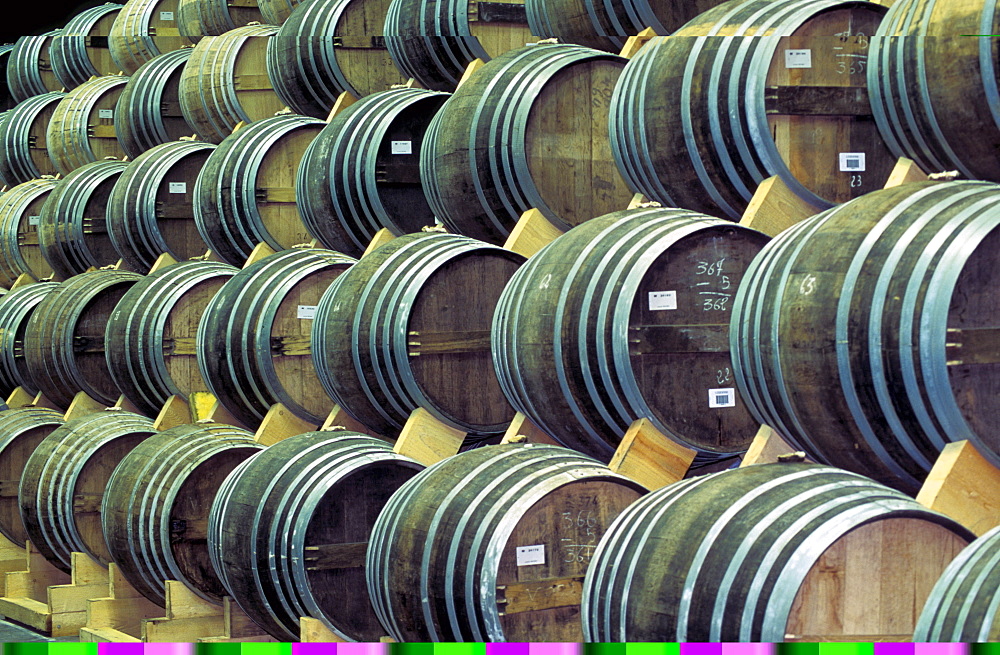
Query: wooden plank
{"x":102,"y":131}
{"x":336,"y":556}
{"x":523,"y":429}
{"x":817,"y":100}
{"x":252,"y":82}
{"x":174,"y":412}
{"x":436,"y":343}
{"x":972,"y":346}
{"x":766,"y":448}
{"x":275,"y":194}
{"x":962,"y":484}
{"x":281,"y":423}
{"x":382,"y":237}
{"x":32,"y":613}
{"x":426,"y":439}
{"x":634,"y":43}
{"x":470,"y":70}
{"x":650,"y":457}
{"x":663,"y":339}
{"x":539,"y":595}
{"x":344,"y":100}
{"x":774,"y":207}
{"x":106,"y":635}
{"x":314,"y":631}
{"x":531,"y":233}
{"x":259,"y":252}
{"x":904,"y":172}
{"x":182,"y":603}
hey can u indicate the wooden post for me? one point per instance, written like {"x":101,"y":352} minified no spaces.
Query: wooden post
{"x":962,"y":484}
{"x":531,"y":233}
{"x":382,"y":237}
{"x":766,"y":448}
{"x":523,"y":429}
{"x":67,"y":604}
{"x":634,"y":43}
{"x":12,"y":558}
{"x":426,"y":439}
{"x":281,"y":423}
{"x":904,"y":172}
{"x":117,"y":616}
{"x":774,"y":208}
{"x":650,"y":457}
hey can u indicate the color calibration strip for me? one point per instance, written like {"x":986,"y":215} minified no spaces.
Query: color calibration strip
{"x":501,"y":649}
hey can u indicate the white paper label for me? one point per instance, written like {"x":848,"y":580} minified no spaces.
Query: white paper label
{"x":798,"y":59}
{"x":722,"y":398}
{"x":402,"y":147}
{"x":662,"y":300}
{"x":529,"y":555}
{"x":166,"y":15}
{"x":177,"y":187}
{"x":34,"y":220}
{"x":852,"y":162}
{"x":105,"y":113}
{"x":307,"y":311}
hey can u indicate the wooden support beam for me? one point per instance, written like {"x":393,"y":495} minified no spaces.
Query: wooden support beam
{"x":280,"y":423}
{"x":522,"y":429}
{"x":174,"y":412}
{"x":905,"y":171}
{"x":260,"y":251}
{"x":314,"y":631}
{"x":426,"y":439}
{"x":964,"y":485}
{"x":634,"y":43}
{"x":20,"y":398}
{"x":531,"y":233}
{"x":82,"y":405}
{"x":163,"y":261}
{"x":774,"y":208}
{"x":650,"y":457}
{"x":767,"y":446}
{"x":470,"y":70}
{"x":344,"y":100}
{"x":381,"y":238}
{"x":340,"y":419}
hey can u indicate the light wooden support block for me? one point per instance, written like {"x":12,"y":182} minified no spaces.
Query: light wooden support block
{"x":163,"y":261}
{"x":339,"y":418}
{"x":260,"y":251}
{"x":117,"y":616}
{"x":313,"y":631}
{"x":634,"y":43}
{"x":767,"y":447}
{"x":523,"y":429}
{"x":174,"y":412}
{"x":68,"y":603}
{"x":204,"y":407}
{"x":532,"y":233}
{"x":382,"y":237}
{"x":83,"y":405}
{"x":20,"y":398}
{"x":23,"y":280}
{"x":190,"y":618}
{"x":650,"y":457}
{"x":470,"y":70}
{"x":344,"y":100}
{"x":904,"y":172}
{"x":41,"y":401}
{"x":638,"y":200}
{"x":426,"y":439}
{"x":12,"y":558}
{"x":125,"y":405}
{"x":963,"y":485}
{"x":280,"y":423}
{"x":774,"y":208}
{"x":26,"y":599}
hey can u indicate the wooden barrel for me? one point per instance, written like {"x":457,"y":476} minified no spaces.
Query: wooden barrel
{"x":20,"y":215}
{"x":503,"y":143}
{"x":155,"y":511}
{"x":607,"y":25}
{"x":408,"y":327}
{"x":328,"y":47}
{"x":72,"y":229}
{"x":150,"y":337}
{"x":80,"y":50}
{"x":939,"y":106}
{"x":582,"y":342}
{"x":851,"y":344}
{"x":962,"y":606}
{"x":362,"y":172}
{"x":82,"y":127}
{"x":21,"y":430}
{"x":434,"y":42}
{"x":65,"y":480}
{"x":16,"y":308}
{"x":225,"y":82}
{"x":149,"y":110}
{"x":151,"y":210}
{"x":767,"y":553}
{"x":23,"y":152}
{"x":289,"y":528}
{"x":29,"y":69}
{"x":275,"y":12}
{"x":7,"y":100}
{"x":254,"y":340}
{"x":791,"y":102}
{"x":64,"y":342}
{"x":246,"y":191}
{"x":460,"y":550}
{"x":142,"y":30}
{"x":199,"y":18}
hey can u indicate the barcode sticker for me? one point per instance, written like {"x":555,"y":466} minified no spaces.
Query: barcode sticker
{"x":307,"y":312}
{"x":34,"y":220}
{"x":798,"y":59}
{"x":530,"y":555}
{"x":166,"y":15}
{"x":721,"y":398}
{"x":105,"y":113}
{"x":177,"y":187}
{"x":402,"y":147}
{"x":662,"y":300}
{"x":853,"y":162}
